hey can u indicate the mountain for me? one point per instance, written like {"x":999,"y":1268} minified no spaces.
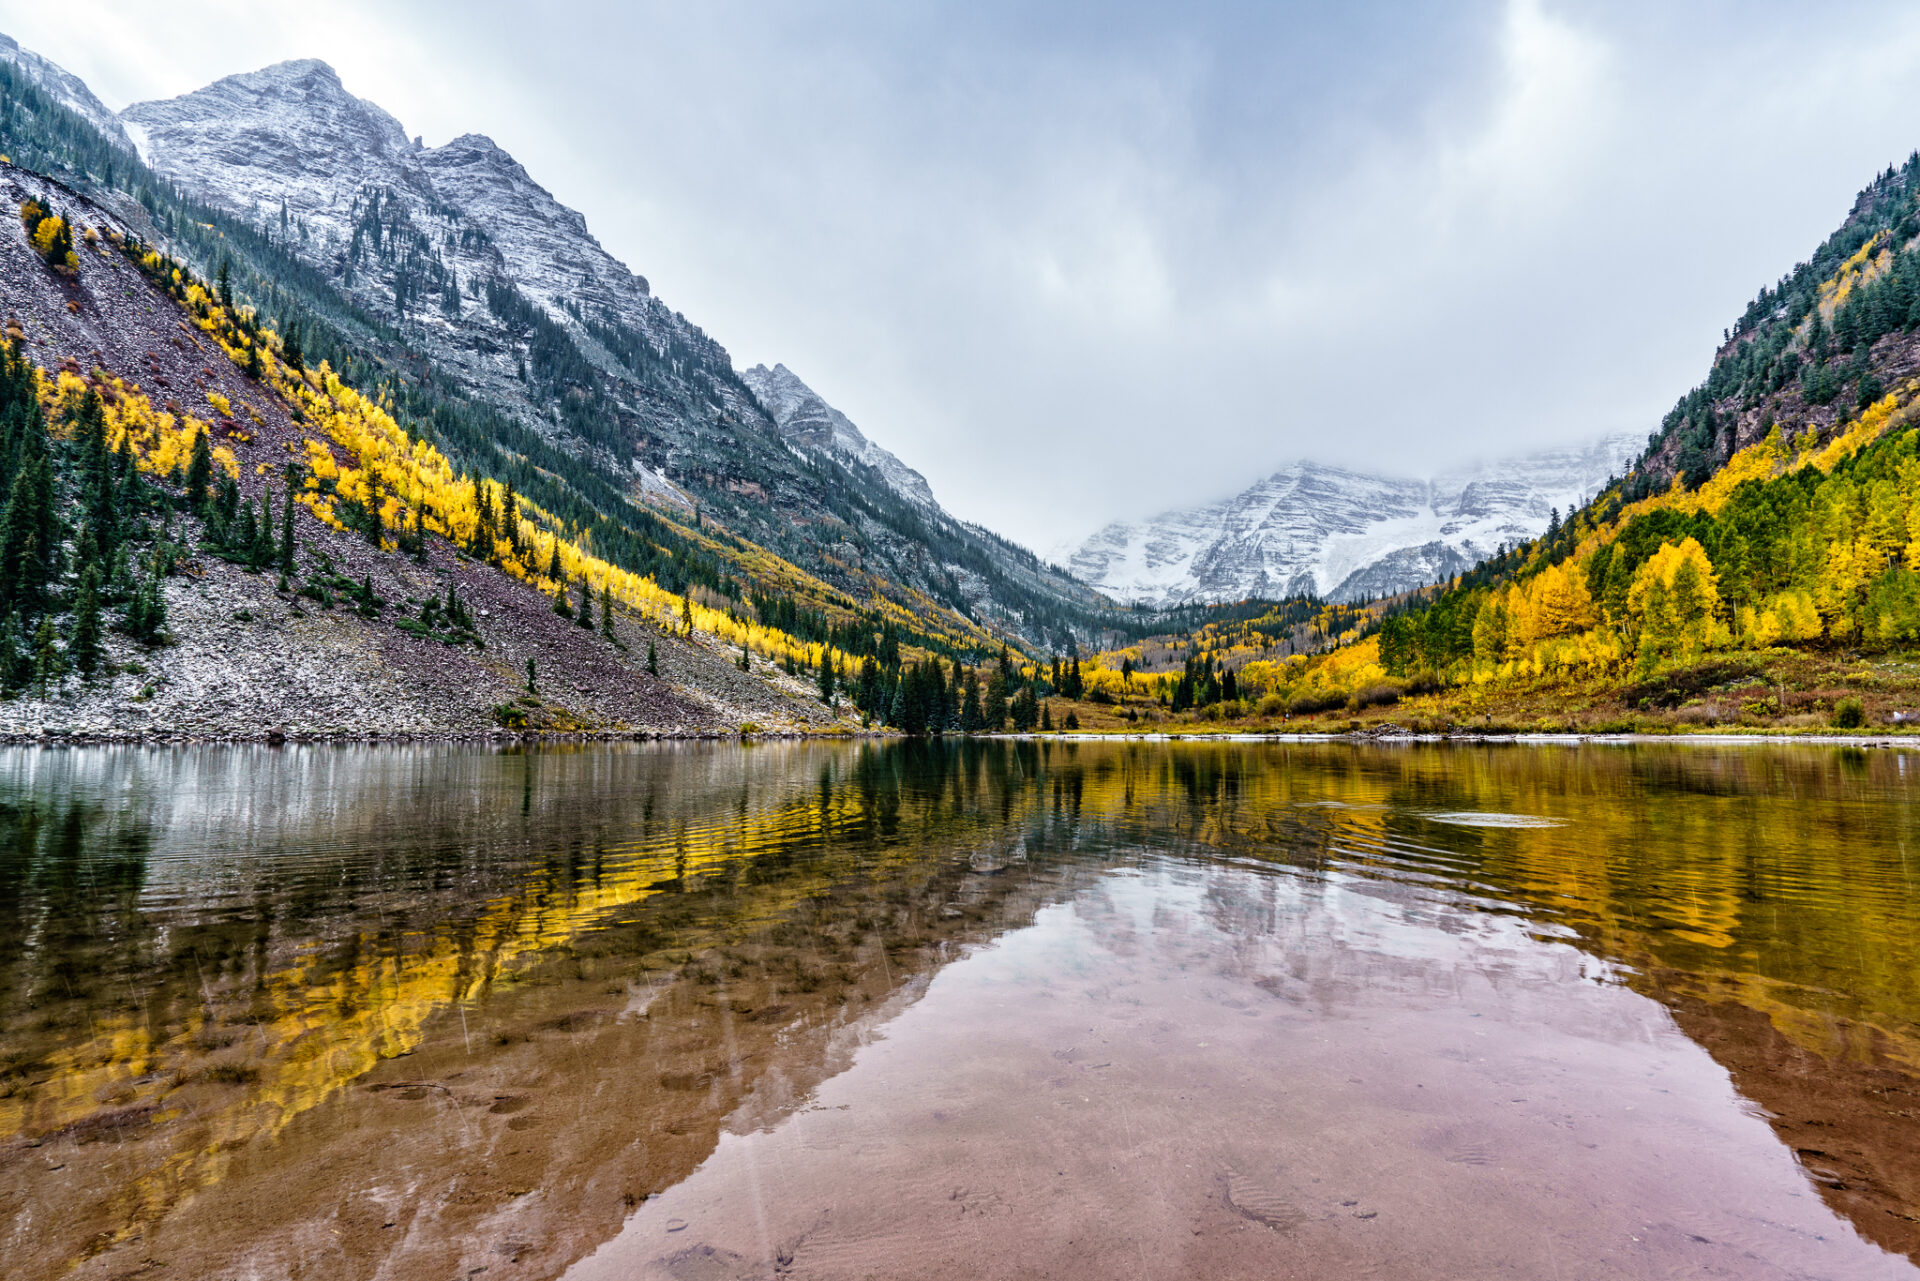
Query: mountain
{"x":243,"y":611}
{"x":807,"y":420}
{"x":1343,"y":535}
{"x":1757,"y":567}
{"x":454,"y":269}
{"x":69,"y":90}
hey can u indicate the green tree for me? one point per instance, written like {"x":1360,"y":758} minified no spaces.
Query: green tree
{"x":15,"y":667}
{"x":49,"y":664}
{"x":1024,"y":712}
{"x":146,"y":613}
{"x":29,"y":540}
{"x":995,"y":710}
{"x":199,"y":471}
{"x":286,"y":534}
{"x":84,"y":646}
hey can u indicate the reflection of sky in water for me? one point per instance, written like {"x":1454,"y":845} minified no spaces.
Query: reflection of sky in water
{"x":1180,"y":1048}
{"x":346,"y":906}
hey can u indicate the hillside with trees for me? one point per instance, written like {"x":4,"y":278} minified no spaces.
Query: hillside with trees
{"x":1759,"y":567}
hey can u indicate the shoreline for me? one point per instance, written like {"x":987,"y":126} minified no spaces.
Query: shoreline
{"x":48,"y":737}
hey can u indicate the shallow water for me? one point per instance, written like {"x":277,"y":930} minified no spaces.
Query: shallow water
{"x":816,"y":1010}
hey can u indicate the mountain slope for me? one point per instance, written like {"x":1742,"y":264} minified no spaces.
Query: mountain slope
{"x":284,"y":623}
{"x":1343,"y":535}
{"x":470,"y":265}
{"x":66,"y":88}
{"x":1758,"y":567}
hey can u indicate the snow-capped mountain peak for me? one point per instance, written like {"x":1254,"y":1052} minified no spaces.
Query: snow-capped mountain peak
{"x":1342,"y":534}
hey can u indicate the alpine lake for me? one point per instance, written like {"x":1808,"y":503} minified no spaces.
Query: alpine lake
{"x":982,"y":1009}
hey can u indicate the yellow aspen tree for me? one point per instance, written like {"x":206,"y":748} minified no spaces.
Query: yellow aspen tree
{"x":1561,"y":602}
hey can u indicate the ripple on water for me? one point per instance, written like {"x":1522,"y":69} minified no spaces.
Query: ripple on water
{"x":1483,"y":818}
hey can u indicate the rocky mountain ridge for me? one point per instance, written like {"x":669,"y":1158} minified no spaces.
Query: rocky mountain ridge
{"x":810,"y":421}
{"x":67,"y":89}
{"x":1311,"y":529}
{"x":480,"y":273}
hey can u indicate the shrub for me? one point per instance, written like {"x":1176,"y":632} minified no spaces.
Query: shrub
{"x":1308,"y":704}
{"x":1425,"y":681}
{"x":1375,"y":696}
{"x":1272,"y":705}
{"x":510,"y":717}
{"x":1849,"y":713}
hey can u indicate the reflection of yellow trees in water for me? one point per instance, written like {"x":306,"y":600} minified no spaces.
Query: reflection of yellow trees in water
{"x":1772,"y":878}
{"x":247,"y":1058}
{"x":1779,"y":874}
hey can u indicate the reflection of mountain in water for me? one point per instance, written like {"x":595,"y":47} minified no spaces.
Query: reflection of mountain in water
{"x":553,"y":918}
{"x":532,"y":988}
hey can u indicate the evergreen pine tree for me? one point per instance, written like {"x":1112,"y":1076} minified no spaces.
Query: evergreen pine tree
{"x":606,"y":611}
{"x":49,"y":665}
{"x":14,"y":667}
{"x":585,"y":617}
{"x":993,"y":713}
{"x":530,"y":688}
{"x":29,"y":539}
{"x":828,"y":682}
{"x":146,"y":613}
{"x":653,"y":661}
{"x":510,"y":515}
{"x":199,"y":471}
{"x":245,"y":532}
{"x":84,"y":647}
{"x":286,"y":534}
{"x":971,"y":720}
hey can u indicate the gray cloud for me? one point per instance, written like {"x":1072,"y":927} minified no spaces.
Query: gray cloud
{"x":1076,"y":262}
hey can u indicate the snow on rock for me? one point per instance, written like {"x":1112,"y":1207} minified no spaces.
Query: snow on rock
{"x":1343,"y":534}
{"x":69,"y":90}
{"x":804,"y":417}
{"x":286,"y":137}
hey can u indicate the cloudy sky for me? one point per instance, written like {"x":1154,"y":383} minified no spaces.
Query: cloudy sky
{"x":1082,"y":262}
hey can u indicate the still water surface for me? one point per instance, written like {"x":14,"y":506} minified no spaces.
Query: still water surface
{"x":996,"y":1010}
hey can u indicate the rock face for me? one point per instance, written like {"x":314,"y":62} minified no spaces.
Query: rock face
{"x":1343,"y":534}
{"x":414,"y":233}
{"x":807,"y":420}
